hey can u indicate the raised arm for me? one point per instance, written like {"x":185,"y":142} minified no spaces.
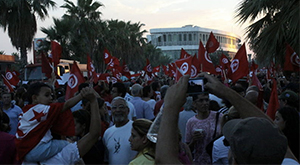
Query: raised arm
{"x":87,"y":142}
{"x":168,"y":141}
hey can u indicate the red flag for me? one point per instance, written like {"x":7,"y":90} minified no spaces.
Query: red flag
{"x":16,"y":73}
{"x":260,"y":98}
{"x":239,"y":65}
{"x":172,"y":70}
{"x":184,"y":65}
{"x":195,"y":67}
{"x":107,"y":56}
{"x":148,"y":68}
{"x":292,"y":61}
{"x":6,"y":83}
{"x":103,"y":77}
{"x":46,"y":66}
{"x":75,"y":79}
{"x":114,"y":62}
{"x":205,"y":61}
{"x":224,"y":62}
{"x":166,"y":70}
{"x":125,"y":70}
{"x":56,"y":51}
{"x":156,"y":69}
{"x":117,"y":74}
{"x":273,"y":102}
{"x":219,"y":70}
{"x":91,"y":69}
{"x":212,"y":44}
{"x":184,"y":54}
{"x":11,"y":77}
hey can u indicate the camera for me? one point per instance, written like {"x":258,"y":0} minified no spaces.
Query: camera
{"x":196,"y":86}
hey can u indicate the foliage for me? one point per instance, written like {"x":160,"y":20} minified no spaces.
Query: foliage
{"x":274,"y":24}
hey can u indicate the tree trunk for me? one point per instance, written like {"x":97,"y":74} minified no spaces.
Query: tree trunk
{"x":23,"y":52}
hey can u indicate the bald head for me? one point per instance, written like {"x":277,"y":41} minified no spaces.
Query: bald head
{"x":252,"y":96}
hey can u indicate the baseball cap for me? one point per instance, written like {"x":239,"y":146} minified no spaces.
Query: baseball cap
{"x":255,"y":141}
{"x":289,"y":96}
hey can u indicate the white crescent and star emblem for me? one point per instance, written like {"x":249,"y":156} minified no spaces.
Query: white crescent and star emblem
{"x":184,"y":67}
{"x":207,"y":58}
{"x":8,"y":76}
{"x":73,"y":81}
{"x":193,"y":71}
{"x":234,"y":65}
{"x":295,"y":59}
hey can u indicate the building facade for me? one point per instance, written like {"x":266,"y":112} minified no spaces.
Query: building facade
{"x":171,"y":40}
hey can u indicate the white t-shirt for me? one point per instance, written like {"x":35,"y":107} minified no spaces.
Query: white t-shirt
{"x":289,"y":161}
{"x":220,"y":152}
{"x":118,"y":147}
{"x":68,"y":155}
{"x":152,"y":103}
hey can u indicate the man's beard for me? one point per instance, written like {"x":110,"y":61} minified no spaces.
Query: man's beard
{"x":119,"y":118}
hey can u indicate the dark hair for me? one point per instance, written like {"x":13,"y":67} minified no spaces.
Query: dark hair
{"x":195,"y":96}
{"x":213,"y":105}
{"x":11,"y":95}
{"x":155,"y":85}
{"x":146,"y":91}
{"x":83,"y":117}
{"x":121,"y":88}
{"x":291,"y":129}
{"x":4,"y":119}
{"x":34,"y":89}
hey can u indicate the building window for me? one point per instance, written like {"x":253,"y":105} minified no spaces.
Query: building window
{"x":203,"y":37}
{"x":165,"y":38}
{"x":195,"y":37}
{"x":179,"y":37}
{"x":190,"y":37}
{"x":184,"y":37}
{"x":159,"y":39}
{"x":169,"y":37}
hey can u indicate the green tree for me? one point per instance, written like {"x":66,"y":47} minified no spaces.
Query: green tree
{"x":273,"y":24}
{"x":19,"y":18}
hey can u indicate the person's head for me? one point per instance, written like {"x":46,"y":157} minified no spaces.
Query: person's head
{"x":136,"y":90}
{"x":289,"y":98}
{"x":239,"y":89}
{"x":118,"y":89}
{"x":155,"y":86}
{"x":188,"y":105}
{"x":255,"y":141}
{"x":6,"y":98}
{"x":252,"y":87}
{"x":4,"y":122}
{"x":119,"y":110}
{"x":39,"y":93}
{"x":201,"y":102}
{"x":82,"y":119}
{"x":252,"y":96}
{"x":147,"y":91}
{"x":163,"y":91}
{"x":231,"y":114}
{"x":138,"y":139}
{"x":287,"y":120}
{"x":213,"y":105}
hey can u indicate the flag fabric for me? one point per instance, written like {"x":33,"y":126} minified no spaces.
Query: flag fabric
{"x":273,"y":102}
{"x":11,"y":77}
{"x":172,"y":70}
{"x":212,"y":43}
{"x":148,"y":68}
{"x":260,"y":99}
{"x":219,"y":70}
{"x":156,"y":69}
{"x":107,"y":56}
{"x":114,"y":62}
{"x":36,"y":120}
{"x":56,"y":51}
{"x":184,"y":54}
{"x":75,"y":79}
{"x":166,"y":70}
{"x":195,"y":67}
{"x":91,"y":69}
{"x":47,"y":68}
{"x":103,"y":77}
{"x":125,"y":70}
{"x":224,"y":62}
{"x":7,"y":84}
{"x":292,"y":61}
{"x":206,"y":64}
{"x":184,"y":65}
{"x":117,"y":74}
{"x":239,"y":65}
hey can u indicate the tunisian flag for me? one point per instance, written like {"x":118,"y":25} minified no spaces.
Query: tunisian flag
{"x":292,"y":61}
{"x":206,"y":64}
{"x":75,"y":79}
{"x":114,"y":62}
{"x":56,"y":51}
{"x":195,"y":67}
{"x":273,"y":103}
{"x":184,"y":54}
{"x":11,"y":77}
{"x":91,"y":69}
{"x":6,"y":83}
{"x":125,"y":70}
{"x":148,"y":68}
{"x":184,"y":67}
{"x":212,"y":44}
{"x":107,"y":56}
{"x":239,"y":65}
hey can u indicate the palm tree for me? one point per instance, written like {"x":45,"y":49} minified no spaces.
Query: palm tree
{"x":274,"y":23}
{"x":19,"y":18}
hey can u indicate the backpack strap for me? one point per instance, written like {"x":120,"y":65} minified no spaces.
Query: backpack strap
{"x":216,"y":124}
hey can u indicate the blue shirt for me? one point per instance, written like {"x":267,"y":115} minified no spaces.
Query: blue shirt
{"x":13,"y":113}
{"x":143,"y":109}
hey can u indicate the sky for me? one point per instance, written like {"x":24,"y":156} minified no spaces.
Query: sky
{"x":214,"y":14}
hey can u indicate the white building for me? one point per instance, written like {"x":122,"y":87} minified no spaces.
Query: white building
{"x":171,"y":40}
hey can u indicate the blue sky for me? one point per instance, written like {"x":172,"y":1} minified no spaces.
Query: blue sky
{"x":214,"y":14}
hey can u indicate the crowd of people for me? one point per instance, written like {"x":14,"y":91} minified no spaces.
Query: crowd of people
{"x":107,"y":123}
